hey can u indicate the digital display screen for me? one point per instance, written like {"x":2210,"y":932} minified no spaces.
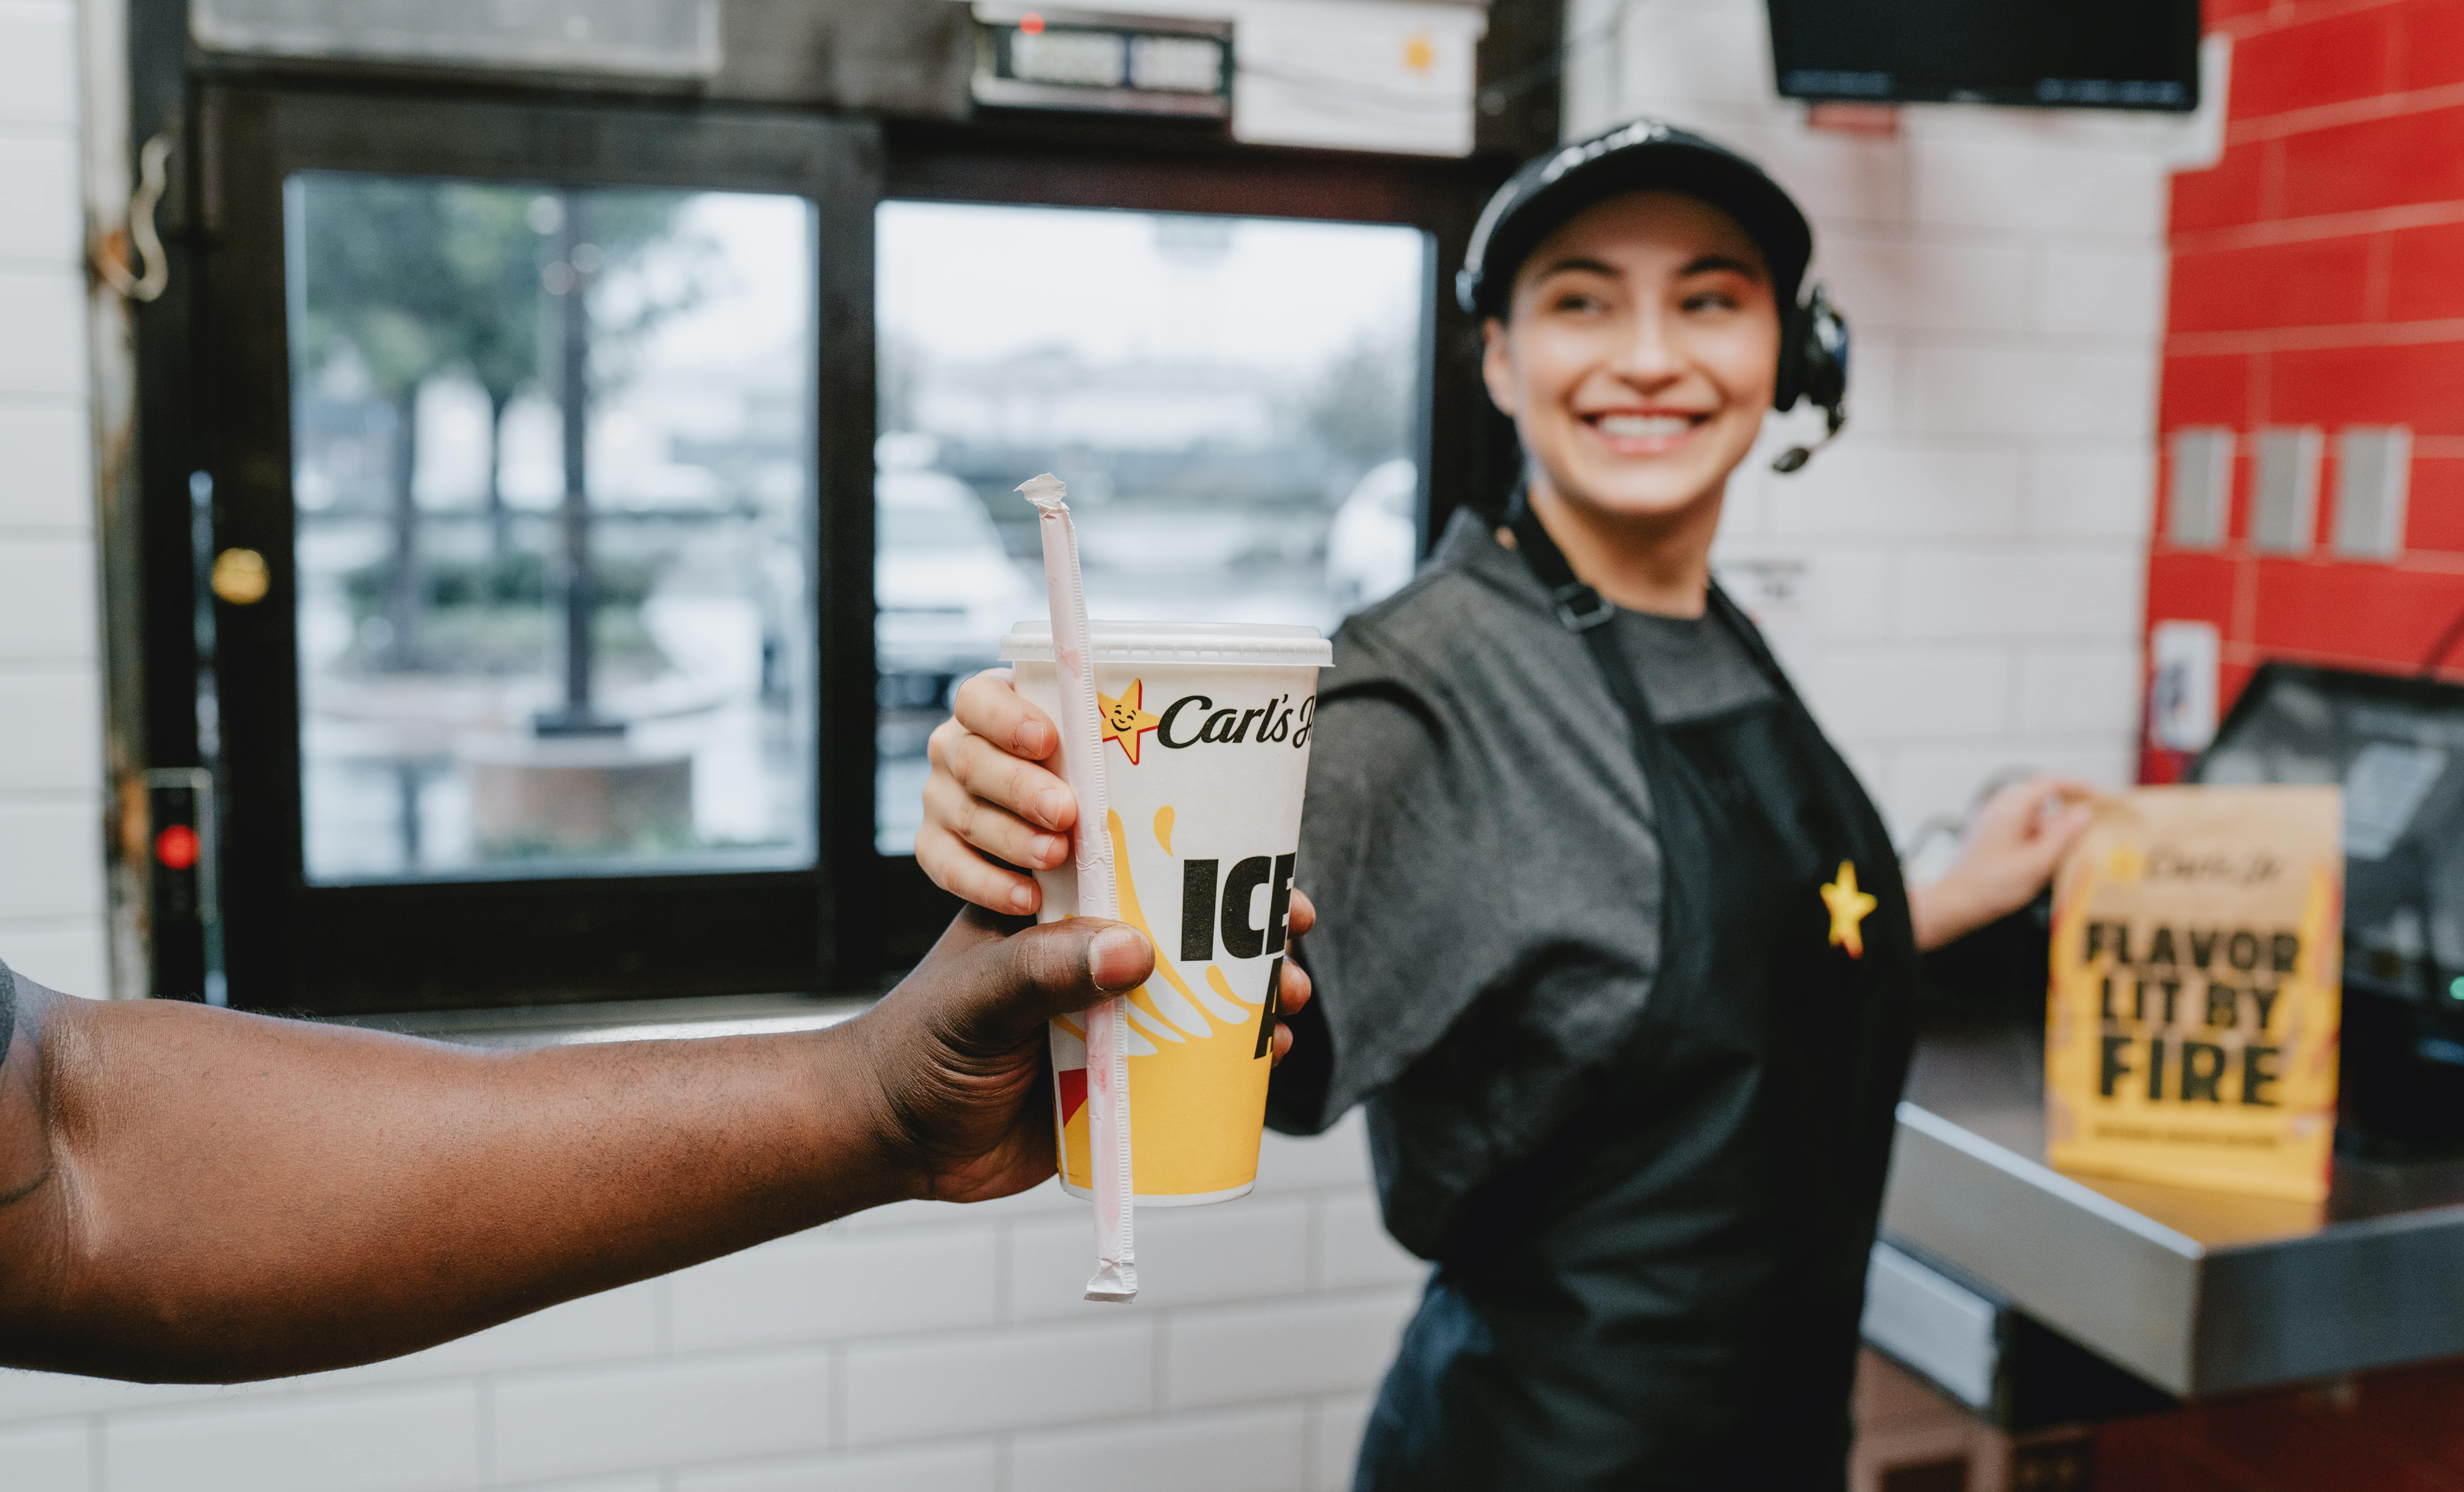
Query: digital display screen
{"x":2085,"y":54}
{"x":2396,"y":747}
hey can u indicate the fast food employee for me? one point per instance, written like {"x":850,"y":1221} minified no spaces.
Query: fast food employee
{"x":1616,"y":950}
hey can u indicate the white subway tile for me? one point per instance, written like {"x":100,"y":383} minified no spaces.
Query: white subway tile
{"x":53,"y":1457}
{"x":47,"y":607}
{"x":2038,"y":188}
{"x":422,"y":1440}
{"x":1338,"y":1157}
{"x":1694,"y":55}
{"x":54,"y":739}
{"x":2019,"y":387}
{"x":1253,"y":1248}
{"x":1876,"y":375}
{"x":572,"y":1423}
{"x":1810,"y":591}
{"x":66,"y":954}
{"x":1836,"y":178}
{"x":957,"y":1468}
{"x":2077,"y":490}
{"x":46,"y":1395}
{"x":2083,"y":691}
{"x":1902,"y":488}
{"x":1962,"y":594}
{"x":38,"y":64}
{"x":1335,"y":1447}
{"x":2101,"y":291}
{"x":45,"y":465}
{"x":1931,"y":781}
{"x":1871,"y":694}
{"x":42,"y":222}
{"x":1245,"y":1354}
{"x":836,"y":1284}
{"x":1354,"y":1249}
{"x":1020,"y":1378}
{"x":1916,"y":282}
{"x":54,"y":867}
{"x":44,"y":311}
{"x":1250,"y":1451}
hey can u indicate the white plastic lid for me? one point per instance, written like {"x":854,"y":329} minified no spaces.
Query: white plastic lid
{"x":1251,"y":643}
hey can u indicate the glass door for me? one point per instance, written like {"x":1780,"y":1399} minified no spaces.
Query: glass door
{"x":535,"y":700}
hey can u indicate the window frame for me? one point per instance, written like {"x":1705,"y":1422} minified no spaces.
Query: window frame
{"x":433,"y":945}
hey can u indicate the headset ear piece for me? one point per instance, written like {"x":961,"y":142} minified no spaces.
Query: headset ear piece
{"x":1812,"y":366}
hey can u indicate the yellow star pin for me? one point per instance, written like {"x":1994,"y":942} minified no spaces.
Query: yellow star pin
{"x":1848,"y":907}
{"x":1125,"y":719}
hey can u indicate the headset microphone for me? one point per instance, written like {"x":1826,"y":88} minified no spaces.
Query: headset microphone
{"x":1813,"y":367}
{"x":1794,"y":457}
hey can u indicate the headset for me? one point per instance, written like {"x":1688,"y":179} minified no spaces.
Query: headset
{"x":1814,"y":367}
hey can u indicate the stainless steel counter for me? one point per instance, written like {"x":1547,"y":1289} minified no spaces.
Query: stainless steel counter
{"x":2196,"y":1292}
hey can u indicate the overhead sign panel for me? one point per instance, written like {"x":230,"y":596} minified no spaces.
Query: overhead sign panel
{"x":1103,"y":62}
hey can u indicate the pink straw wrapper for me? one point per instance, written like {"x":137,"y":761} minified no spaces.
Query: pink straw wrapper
{"x":1082,"y":760}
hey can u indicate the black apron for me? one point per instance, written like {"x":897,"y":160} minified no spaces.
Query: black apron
{"x":1668,"y":1295}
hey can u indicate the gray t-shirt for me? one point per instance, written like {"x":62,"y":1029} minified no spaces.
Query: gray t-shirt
{"x":1478,"y":834}
{"x":1691,"y":668}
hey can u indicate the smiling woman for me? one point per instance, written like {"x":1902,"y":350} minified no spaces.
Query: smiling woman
{"x":1616,"y":950}
{"x":1639,"y":351}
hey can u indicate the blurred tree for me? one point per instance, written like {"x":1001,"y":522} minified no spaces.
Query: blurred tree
{"x":1359,"y":404}
{"x":419,"y":277}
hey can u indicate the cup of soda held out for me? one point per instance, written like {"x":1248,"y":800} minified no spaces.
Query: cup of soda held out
{"x":1206,"y":744}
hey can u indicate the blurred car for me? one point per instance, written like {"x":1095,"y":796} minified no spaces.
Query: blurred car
{"x":1374,"y":545}
{"x":944,"y":589}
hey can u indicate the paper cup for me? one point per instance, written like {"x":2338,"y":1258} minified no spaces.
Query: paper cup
{"x":1206,"y":747}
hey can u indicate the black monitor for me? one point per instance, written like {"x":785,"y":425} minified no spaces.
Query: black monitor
{"x":2077,"y":53}
{"x":2396,"y":745}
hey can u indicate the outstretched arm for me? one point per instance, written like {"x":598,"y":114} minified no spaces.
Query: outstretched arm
{"x":202,"y":1196}
{"x":2013,"y":842}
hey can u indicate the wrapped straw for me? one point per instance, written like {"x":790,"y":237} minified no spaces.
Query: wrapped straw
{"x":1082,"y":760}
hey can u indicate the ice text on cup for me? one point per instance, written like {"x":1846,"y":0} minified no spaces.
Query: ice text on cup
{"x":1200,"y":924}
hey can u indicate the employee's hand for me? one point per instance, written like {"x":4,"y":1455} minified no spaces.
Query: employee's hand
{"x":992,"y":798}
{"x":2012,"y":845}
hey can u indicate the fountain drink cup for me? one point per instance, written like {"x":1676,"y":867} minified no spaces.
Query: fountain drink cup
{"x":1206,"y":748}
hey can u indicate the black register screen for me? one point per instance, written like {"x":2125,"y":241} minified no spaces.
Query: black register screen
{"x":2076,"y":54}
{"x":2396,"y":746}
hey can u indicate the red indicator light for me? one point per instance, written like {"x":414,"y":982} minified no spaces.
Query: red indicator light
{"x":1031,"y":23}
{"x":176,"y":847}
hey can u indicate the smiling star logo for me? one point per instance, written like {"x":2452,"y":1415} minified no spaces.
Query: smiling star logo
{"x":1848,"y":907}
{"x":1125,"y":719}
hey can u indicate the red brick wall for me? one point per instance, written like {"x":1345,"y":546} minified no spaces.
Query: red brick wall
{"x":2317,"y":279}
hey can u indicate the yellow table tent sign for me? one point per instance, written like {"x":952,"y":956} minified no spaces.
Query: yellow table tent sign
{"x":2192,"y":1029}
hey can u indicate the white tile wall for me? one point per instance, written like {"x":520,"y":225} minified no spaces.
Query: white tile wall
{"x":51,"y":753}
{"x":1972,"y":550}
{"x":1259,"y":1450}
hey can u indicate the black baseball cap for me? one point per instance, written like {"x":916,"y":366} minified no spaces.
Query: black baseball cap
{"x":1644,"y":155}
